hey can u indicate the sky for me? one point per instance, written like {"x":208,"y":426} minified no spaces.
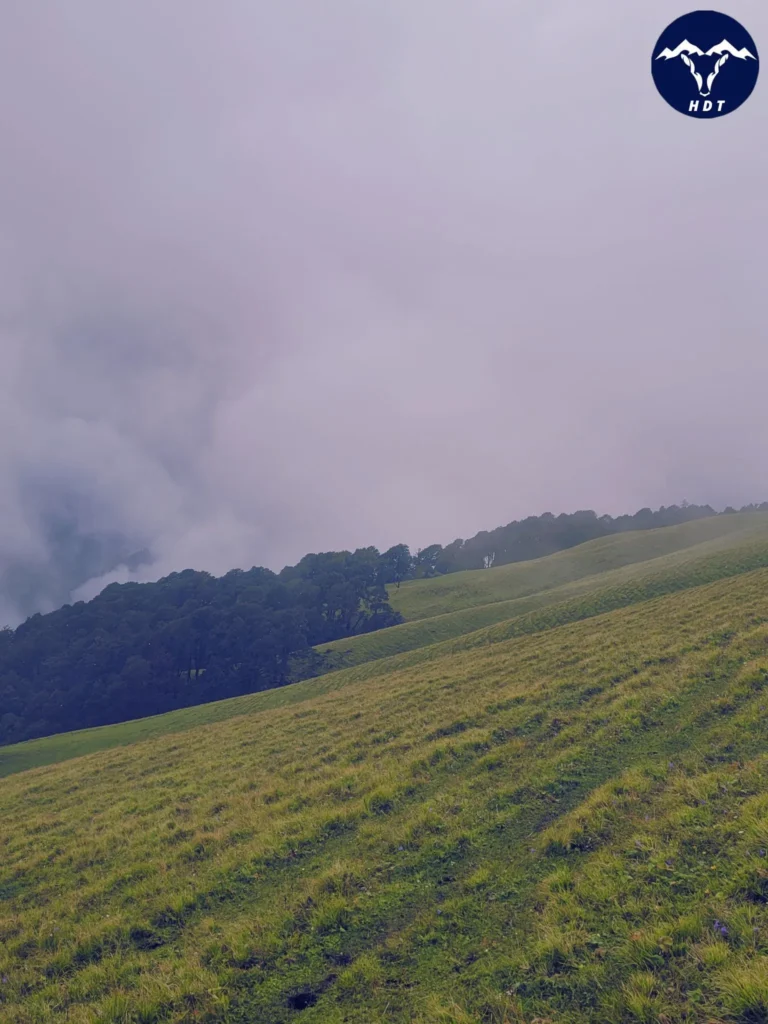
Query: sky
{"x":300,"y":276}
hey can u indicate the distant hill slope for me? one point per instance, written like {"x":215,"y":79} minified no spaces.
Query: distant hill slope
{"x":421,"y":599}
{"x":567,"y":826}
{"x":741,"y":549}
{"x":728,"y":555}
{"x":190,"y":638}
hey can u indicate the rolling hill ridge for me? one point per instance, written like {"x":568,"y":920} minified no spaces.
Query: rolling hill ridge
{"x":634,"y":570}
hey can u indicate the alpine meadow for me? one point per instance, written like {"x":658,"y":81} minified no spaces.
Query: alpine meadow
{"x":383,"y":512}
{"x":541,"y":797}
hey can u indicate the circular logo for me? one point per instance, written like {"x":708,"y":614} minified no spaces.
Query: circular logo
{"x":705,"y":64}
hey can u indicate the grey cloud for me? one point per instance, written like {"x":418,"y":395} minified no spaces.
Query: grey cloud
{"x":299,"y":276}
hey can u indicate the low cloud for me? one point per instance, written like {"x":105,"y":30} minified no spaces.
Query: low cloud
{"x":293,"y":277}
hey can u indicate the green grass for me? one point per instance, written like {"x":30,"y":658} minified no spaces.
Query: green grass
{"x":21,"y":757}
{"x":546,"y":826}
{"x":421,"y":599}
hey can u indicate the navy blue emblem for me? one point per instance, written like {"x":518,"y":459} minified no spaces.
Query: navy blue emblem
{"x":705,"y":64}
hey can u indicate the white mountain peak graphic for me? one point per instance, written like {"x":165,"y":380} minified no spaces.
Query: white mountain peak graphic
{"x":689,"y":48}
{"x":726,"y":47}
{"x":684,"y":47}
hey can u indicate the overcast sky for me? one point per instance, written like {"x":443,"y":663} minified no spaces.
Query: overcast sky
{"x":313,"y":274}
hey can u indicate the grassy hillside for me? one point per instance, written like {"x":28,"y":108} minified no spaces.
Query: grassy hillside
{"x":421,"y":599}
{"x":569,"y":826}
{"x":735,"y":552}
{"x":20,"y":757}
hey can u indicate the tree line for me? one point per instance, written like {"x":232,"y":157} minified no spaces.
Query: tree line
{"x":140,"y":649}
{"x":538,"y":536}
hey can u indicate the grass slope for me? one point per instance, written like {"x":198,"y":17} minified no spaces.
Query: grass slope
{"x":569,"y":826}
{"x":735,"y":552}
{"x":421,"y":599}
